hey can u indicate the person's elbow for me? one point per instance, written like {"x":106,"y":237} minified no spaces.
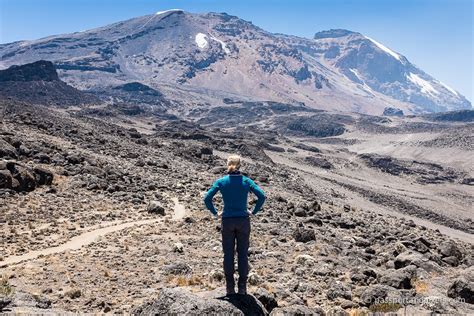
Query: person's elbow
{"x":207,"y":200}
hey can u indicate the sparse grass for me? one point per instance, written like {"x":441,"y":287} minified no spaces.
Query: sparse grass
{"x":385,"y":307}
{"x":357,"y":312}
{"x":185,"y":280}
{"x":6,"y":289}
{"x":269,"y":287}
{"x":420,"y":286}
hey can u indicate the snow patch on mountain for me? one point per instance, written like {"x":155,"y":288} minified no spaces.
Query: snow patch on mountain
{"x":425,"y":86}
{"x":385,"y":49}
{"x":166,"y":11}
{"x":448,"y":87}
{"x":201,"y":41}
{"x":366,"y":87}
{"x":223,"y":45}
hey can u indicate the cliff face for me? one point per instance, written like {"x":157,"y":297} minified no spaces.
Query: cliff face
{"x":39,"y":83}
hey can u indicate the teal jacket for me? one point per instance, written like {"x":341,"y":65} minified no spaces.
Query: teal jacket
{"x":234,"y":188}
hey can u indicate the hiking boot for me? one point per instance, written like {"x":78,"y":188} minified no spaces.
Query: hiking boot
{"x":242,"y":291}
{"x":230,"y":286}
{"x":242,"y":288}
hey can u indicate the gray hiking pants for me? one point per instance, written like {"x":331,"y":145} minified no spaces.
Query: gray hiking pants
{"x":236,"y":229}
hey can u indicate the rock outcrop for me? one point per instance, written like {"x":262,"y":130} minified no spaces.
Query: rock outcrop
{"x":177,"y":301}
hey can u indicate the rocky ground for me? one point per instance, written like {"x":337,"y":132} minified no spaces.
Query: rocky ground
{"x":113,"y":191}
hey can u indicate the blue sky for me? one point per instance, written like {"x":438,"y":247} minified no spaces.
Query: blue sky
{"x":436,"y":35}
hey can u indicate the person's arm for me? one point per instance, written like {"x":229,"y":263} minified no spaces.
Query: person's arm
{"x":255,"y":189}
{"x":208,"y":198}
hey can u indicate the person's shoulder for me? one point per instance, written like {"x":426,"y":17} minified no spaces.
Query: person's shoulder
{"x":247,"y":179}
{"x":222,"y":179}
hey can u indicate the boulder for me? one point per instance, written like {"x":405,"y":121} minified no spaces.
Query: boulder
{"x":450,"y":252}
{"x":4,"y":301}
{"x":462,"y":289}
{"x":25,"y":177}
{"x":339,"y":290}
{"x":43,"y":176}
{"x":406,"y":258}
{"x":179,"y":268}
{"x":300,"y":212}
{"x":266,"y":298}
{"x":178,"y":247}
{"x":7,"y":150}
{"x":318,"y":162}
{"x":373,"y":294}
{"x":254,"y":278}
{"x":391,"y":111}
{"x":399,"y":279}
{"x":155,"y":207}
{"x":302,"y":234}
{"x":206,"y":151}
{"x":177,"y":301}
{"x":5,"y":179}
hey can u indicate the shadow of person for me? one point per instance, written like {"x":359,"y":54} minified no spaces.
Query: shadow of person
{"x":247,"y":304}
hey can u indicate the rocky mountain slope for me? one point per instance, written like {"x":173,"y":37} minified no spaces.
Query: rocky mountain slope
{"x":119,"y":225}
{"x":197,"y":59}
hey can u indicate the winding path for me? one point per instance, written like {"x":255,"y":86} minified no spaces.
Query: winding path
{"x":89,"y":237}
{"x":75,"y":242}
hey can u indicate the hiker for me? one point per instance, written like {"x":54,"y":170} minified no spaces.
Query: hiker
{"x":235,"y":225}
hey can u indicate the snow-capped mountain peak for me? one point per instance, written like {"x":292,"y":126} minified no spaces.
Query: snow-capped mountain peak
{"x":385,"y":49}
{"x":216,"y":56}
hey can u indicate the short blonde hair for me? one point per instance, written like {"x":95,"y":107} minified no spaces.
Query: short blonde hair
{"x":233,"y":163}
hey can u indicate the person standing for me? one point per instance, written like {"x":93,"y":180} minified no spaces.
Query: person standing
{"x":235,"y":225}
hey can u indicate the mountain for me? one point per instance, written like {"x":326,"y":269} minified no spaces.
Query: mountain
{"x":39,"y":83}
{"x":200,"y":59}
{"x":377,"y":67}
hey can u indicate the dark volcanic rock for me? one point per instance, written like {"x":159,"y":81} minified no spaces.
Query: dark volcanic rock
{"x":41,"y":70}
{"x":424,"y":172}
{"x":388,"y":111}
{"x":462,"y":289}
{"x":453,"y":116}
{"x":179,"y":268}
{"x":318,"y":162}
{"x":180,"y":302}
{"x":43,"y":176}
{"x":7,"y":150}
{"x":38,"y":83}
{"x":321,"y":125}
{"x":302,"y":234}
{"x":307,"y":147}
{"x":21,"y":178}
{"x":155,"y":207}
{"x":5,"y":179}
{"x":138,"y":87}
{"x":266,"y":298}
{"x":339,"y":290}
{"x":374,"y":293}
{"x":25,"y":177}
{"x":399,"y":279}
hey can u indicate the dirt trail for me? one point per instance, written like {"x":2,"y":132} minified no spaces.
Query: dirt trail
{"x":90,"y":236}
{"x":75,"y":242}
